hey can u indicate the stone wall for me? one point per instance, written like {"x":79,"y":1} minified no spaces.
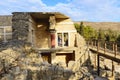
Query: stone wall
{"x":64,"y":25}
{"x":20,"y":26}
{"x":31,"y":35}
{"x":42,"y":34}
{"x":6,"y":20}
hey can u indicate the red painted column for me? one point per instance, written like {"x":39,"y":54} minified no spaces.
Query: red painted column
{"x":52,"y":40}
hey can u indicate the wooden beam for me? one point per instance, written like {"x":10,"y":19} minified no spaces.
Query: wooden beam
{"x":98,"y":65}
{"x":113,"y":68}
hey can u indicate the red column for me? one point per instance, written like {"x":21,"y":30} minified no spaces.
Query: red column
{"x":52,"y":40}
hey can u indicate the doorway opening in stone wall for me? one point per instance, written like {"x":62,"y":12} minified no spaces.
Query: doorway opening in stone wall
{"x":65,"y":57}
{"x":46,"y":57}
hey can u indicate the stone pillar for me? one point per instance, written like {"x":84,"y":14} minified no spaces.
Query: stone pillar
{"x":52,"y":40}
{"x":52,"y":22}
{"x":20,"y":26}
{"x":53,"y":55}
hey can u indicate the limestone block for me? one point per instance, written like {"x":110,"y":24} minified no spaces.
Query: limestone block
{"x":67,"y":73}
{"x":16,"y":70}
{"x":7,"y":77}
{"x":20,"y":77}
{"x":29,"y":75}
{"x":71,"y":64}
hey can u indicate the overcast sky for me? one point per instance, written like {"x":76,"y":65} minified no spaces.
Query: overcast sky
{"x":77,"y":10}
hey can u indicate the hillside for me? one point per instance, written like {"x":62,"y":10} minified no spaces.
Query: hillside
{"x":103,"y":25}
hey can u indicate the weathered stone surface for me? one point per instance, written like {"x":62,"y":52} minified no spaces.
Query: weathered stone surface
{"x":20,"y":15}
{"x":28,"y":65}
{"x":20,"y":26}
{"x":6,"y":20}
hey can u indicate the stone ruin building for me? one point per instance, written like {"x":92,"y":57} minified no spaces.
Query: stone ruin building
{"x":44,"y":46}
{"x":34,"y":45}
{"x":52,"y":33}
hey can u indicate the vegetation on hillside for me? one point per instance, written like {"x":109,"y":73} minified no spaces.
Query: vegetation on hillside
{"x":90,"y":33}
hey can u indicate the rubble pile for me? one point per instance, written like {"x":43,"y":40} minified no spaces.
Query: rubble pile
{"x":22,"y":62}
{"x":26,"y":64}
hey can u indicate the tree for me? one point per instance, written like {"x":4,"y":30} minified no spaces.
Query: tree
{"x":86,"y":31}
{"x":101,"y":34}
{"x":77,"y":26}
{"x":81,"y":29}
{"x":89,"y":32}
{"x":111,"y":35}
{"x":118,"y":40}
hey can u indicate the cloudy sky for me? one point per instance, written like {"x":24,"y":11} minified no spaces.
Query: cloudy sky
{"x":78,"y":10}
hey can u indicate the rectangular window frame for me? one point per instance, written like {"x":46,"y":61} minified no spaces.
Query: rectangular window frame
{"x":62,"y":39}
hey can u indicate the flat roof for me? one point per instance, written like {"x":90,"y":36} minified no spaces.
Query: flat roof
{"x":39,"y":15}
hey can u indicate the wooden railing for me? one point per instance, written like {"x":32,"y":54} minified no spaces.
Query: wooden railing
{"x":109,"y":50}
{"x":110,"y":47}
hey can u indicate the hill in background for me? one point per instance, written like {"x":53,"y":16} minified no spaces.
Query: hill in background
{"x":103,"y":25}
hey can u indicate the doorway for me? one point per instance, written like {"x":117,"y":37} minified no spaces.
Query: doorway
{"x":46,"y":57}
{"x":65,"y":57}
